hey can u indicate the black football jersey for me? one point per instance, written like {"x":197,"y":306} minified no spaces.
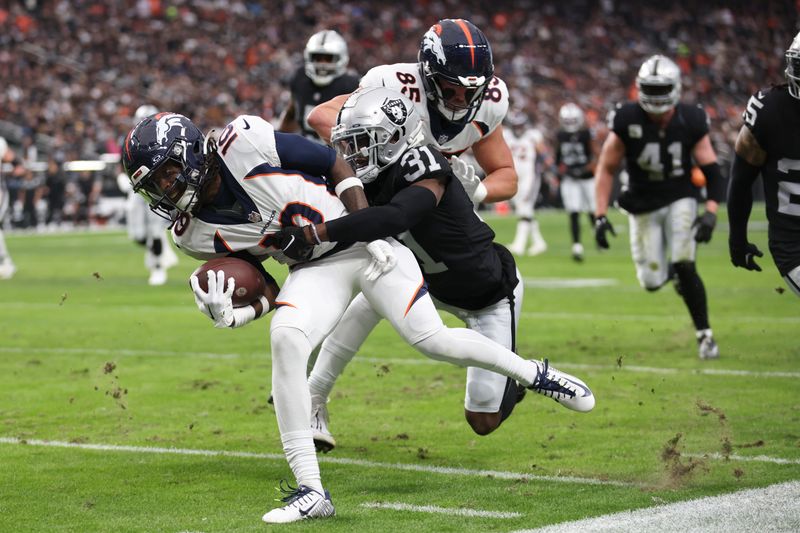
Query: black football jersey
{"x":454,"y":247}
{"x":307,"y":95}
{"x":574,"y":149}
{"x":773,"y":116}
{"x":659,"y":162}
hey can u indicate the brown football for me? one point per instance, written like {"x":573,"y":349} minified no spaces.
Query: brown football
{"x":250,"y":283}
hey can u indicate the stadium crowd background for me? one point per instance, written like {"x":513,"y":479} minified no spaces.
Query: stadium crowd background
{"x":75,"y":71}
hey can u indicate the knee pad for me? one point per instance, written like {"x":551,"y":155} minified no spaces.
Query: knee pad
{"x":480,"y":393}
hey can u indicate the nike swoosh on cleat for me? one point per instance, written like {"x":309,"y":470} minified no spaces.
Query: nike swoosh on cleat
{"x":304,"y":512}
{"x":586,"y":390}
{"x":246,"y":125}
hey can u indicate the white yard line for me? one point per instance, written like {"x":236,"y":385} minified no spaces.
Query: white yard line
{"x":412,"y":361}
{"x":774,"y":508}
{"x":332,"y":460}
{"x":568,"y":283}
{"x":470,"y":513}
{"x":638,"y":318}
{"x":751,"y":458}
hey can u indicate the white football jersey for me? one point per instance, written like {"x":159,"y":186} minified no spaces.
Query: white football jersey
{"x":406,"y":78}
{"x":270,"y":196}
{"x":523,"y":150}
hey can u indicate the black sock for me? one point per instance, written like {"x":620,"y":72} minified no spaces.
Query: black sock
{"x":156,"y":247}
{"x":511,"y":396}
{"x":575,"y":227}
{"x":693,"y":293}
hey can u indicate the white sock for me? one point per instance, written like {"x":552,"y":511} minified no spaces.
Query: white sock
{"x":341,"y":345}
{"x":521,"y":235}
{"x":290,"y":351}
{"x":464,"y":347}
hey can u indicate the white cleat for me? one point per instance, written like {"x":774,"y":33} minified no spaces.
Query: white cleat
{"x":567,"y":390}
{"x":516,"y":248}
{"x":707,"y":348}
{"x":538,"y":247}
{"x":577,"y":252}
{"x":323,"y":440}
{"x":7,"y":270}
{"x":158,"y":276}
{"x":302,"y":503}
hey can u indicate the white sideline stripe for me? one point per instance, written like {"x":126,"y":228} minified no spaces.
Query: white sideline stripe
{"x":773,"y":508}
{"x":118,"y":352}
{"x":568,"y":283}
{"x":440,"y":510}
{"x":752,"y":458}
{"x":390,"y":360}
{"x":638,"y":318}
{"x":529,"y":314}
{"x":333,"y":460}
{"x":629,"y":368}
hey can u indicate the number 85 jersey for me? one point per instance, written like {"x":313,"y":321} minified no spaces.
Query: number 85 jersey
{"x":448,"y":138}
{"x":773,"y":116}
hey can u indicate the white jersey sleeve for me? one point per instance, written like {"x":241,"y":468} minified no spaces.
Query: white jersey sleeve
{"x":267,"y":198}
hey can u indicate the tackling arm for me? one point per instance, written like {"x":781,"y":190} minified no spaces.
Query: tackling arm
{"x":706,"y":159}
{"x":750,"y":157}
{"x":288,"y":121}
{"x":323,"y":117}
{"x":494,"y":156}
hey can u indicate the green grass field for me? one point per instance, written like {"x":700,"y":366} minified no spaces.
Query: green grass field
{"x":110,"y":387}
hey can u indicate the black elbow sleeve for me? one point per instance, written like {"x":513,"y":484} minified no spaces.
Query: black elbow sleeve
{"x":714,"y":184}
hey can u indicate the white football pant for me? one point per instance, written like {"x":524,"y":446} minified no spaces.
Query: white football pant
{"x":578,"y":195}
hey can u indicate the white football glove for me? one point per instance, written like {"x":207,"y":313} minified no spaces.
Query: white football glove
{"x":216,"y":304}
{"x":465,"y":173}
{"x":383,"y":259}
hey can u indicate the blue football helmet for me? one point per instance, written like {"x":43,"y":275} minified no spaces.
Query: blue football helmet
{"x":148,"y":148}
{"x":454,"y":54}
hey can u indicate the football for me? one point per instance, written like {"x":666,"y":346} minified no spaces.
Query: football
{"x":250,"y":283}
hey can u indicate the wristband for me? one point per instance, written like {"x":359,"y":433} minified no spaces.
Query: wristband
{"x":480,"y":193}
{"x":315,"y":234}
{"x":346,"y":183}
{"x":245,"y":315}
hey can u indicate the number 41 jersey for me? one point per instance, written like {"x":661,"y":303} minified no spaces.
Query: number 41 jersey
{"x":659,"y":162}
{"x":454,"y":247}
{"x":773,"y":116}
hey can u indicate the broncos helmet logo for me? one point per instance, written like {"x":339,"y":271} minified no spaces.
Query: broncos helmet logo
{"x":165,"y":123}
{"x":433,"y":42}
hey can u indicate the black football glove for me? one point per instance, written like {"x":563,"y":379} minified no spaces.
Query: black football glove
{"x":743,"y":255}
{"x":601,"y":226}
{"x":292,"y":242}
{"x":705,"y":226}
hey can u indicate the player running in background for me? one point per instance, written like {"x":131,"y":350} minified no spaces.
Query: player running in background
{"x":659,"y":138}
{"x":526,"y":144}
{"x":574,"y":160}
{"x":7,"y":267}
{"x":323,"y":76}
{"x":230,"y":197}
{"x":145,"y":227}
{"x":769,"y":143}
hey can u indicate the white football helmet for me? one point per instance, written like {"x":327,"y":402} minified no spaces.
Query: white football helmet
{"x":571,"y":117}
{"x":792,"y":71}
{"x":143,"y":111}
{"x":325,"y":57}
{"x":374,"y":128}
{"x":658,"y":84}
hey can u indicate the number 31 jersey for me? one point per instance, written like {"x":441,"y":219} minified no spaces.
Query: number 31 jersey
{"x":773,"y":116}
{"x":454,"y":247}
{"x":448,"y":138}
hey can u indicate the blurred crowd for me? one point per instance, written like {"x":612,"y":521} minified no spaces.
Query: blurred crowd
{"x":74,"y":71}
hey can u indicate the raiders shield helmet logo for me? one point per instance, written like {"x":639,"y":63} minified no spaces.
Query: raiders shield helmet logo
{"x":395,"y":110}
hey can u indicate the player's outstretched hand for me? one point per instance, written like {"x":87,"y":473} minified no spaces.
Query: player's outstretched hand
{"x":601,"y":226}
{"x":216,"y":304}
{"x":705,"y":226}
{"x":383,"y":259}
{"x":292,"y":242}
{"x":743,"y":255}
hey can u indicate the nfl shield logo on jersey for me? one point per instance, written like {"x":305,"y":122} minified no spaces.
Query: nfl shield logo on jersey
{"x":396,"y":111}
